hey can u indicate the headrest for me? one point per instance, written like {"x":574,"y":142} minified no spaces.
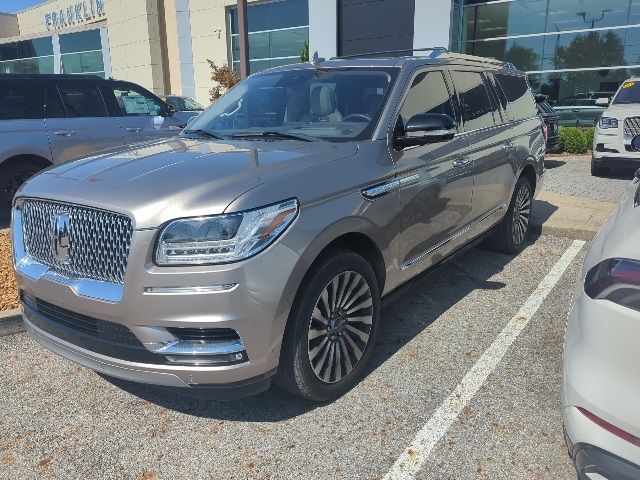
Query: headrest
{"x":322,"y":101}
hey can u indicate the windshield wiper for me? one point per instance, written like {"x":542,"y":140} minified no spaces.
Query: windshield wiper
{"x":268,"y":134}
{"x":205,"y":133}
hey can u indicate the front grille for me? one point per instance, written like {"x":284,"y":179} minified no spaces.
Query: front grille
{"x":99,"y":241}
{"x":632,"y":126}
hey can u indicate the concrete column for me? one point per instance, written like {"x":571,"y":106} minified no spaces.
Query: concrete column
{"x":432,"y":24}
{"x":323,"y":28}
{"x":185,"y":48}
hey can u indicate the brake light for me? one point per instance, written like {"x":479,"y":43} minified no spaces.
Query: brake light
{"x":545,"y":131}
{"x":618,"y":432}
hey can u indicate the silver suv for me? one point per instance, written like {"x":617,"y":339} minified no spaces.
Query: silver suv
{"x":50,"y":119}
{"x":258,"y":244}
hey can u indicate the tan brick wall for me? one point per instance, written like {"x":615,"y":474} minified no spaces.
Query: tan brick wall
{"x":8,"y":25}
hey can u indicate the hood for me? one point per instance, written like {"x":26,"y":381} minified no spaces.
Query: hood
{"x":623,"y":110}
{"x":179,"y":177}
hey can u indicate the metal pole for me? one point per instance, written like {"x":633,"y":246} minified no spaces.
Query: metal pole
{"x":243,"y":31}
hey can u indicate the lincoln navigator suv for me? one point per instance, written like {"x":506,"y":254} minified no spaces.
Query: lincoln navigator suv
{"x":256,"y":246}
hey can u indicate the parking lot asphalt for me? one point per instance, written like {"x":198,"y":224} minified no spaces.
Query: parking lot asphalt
{"x":60,"y":420}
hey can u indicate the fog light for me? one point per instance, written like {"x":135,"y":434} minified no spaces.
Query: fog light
{"x":209,"y":360}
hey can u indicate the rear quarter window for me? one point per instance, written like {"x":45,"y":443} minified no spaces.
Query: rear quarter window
{"x":520,"y":98}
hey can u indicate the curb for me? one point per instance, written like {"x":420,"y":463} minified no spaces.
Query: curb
{"x":555,"y":231}
{"x":11,"y":322}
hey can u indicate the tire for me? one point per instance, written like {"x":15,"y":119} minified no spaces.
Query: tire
{"x":511,"y":233}
{"x":597,"y":171}
{"x":11,"y":179}
{"x":325,"y":353}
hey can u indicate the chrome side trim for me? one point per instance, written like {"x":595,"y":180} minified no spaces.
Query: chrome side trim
{"x":36,"y":271}
{"x":189,"y":290}
{"x":379,"y":190}
{"x":458,"y":234}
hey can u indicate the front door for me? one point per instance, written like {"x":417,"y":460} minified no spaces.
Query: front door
{"x":435,"y":180}
{"x":77,"y":121}
{"x":142,"y":115}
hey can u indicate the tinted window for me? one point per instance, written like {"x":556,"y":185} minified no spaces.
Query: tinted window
{"x":82,"y":101}
{"x":53,"y":104}
{"x":477,"y":111}
{"x":136,"y":103}
{"x":21,"y":103}
{"x":629,"y":93}
{"x":516,"y":89}
{"x":428,"y":94}
{"x":498,"y":100}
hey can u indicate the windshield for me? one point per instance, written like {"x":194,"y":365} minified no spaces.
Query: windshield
{"x":185,"y":104}
{"x":328,"y":104}
{"x":629,"y":93}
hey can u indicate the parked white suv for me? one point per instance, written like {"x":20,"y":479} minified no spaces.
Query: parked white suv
{"x":618,"y":126}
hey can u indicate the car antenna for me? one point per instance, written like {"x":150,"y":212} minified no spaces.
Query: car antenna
{"x":315,"y":59}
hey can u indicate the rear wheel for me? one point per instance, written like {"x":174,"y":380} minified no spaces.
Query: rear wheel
{"x":332,"y":328}
{"x":11,"y":179}
{"x":511,"y":234}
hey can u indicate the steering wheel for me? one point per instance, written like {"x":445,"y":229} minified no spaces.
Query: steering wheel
{"x":357,"y":117}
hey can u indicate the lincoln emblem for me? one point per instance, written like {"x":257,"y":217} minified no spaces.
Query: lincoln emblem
{"x":60,"y":237}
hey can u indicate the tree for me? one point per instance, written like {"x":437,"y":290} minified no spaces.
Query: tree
{"x":523,"y":58}
{"x":304,"y":55}
{"x":225,"y":78}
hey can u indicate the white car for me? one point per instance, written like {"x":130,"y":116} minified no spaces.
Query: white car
{"x":616,"y":129}
{"x":601,"y":391}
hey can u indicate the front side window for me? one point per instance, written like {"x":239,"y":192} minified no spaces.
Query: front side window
{"x":184,"y":104}
{"x":136,"y":103}
{"x":477,"y":111}
{"x":428,"y":94}
{"x":328,"y":104}
{"x":82,"y":101}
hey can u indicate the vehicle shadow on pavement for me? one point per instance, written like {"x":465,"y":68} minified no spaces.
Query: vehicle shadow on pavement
{"x":406,"y":317}
{"x":554,"y":163}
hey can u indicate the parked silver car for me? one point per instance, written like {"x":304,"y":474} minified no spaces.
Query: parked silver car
{"x":50,"y":119}
{"x":259,"y":244}
{"x":601,"y":385}
{"x":186,"y":108}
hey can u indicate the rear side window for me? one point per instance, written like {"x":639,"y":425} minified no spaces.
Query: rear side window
{"x":82,"y":101}
{"x":136,"y":103}
{"x":498,"y":98}
{"x":428,"y":94}
{"x":53,"y":104}
{"x":21,"y":103}
{"x":516,"y":89}
{"x":477,"y":111}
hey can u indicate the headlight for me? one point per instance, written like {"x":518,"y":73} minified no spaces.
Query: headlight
{"x":608,"y":122}
{"x":223,"y":238}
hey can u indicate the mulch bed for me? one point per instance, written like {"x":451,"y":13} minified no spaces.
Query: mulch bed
{"x":9,"y":292}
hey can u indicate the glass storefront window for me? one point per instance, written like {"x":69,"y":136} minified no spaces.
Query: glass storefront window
{"x":29,"y":65}
{"x":38,"y":47}
{"x":80,"y":42}
{"x":277,"y":32}
{"x":85,"y":62}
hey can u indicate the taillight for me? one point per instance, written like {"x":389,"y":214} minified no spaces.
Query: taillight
{"x":618,"y":432}
{"x":617,"y":280}
{"x":545,"y":131}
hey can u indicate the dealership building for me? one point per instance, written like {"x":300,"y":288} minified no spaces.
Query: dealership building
{"x":568,"y":47}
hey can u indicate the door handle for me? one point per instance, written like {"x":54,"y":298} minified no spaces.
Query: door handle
{"x":134,"y":130}
{"x":64,"y":133}
{"x":461,"y":162}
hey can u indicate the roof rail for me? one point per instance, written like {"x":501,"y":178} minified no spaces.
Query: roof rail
{"x":436,"y":50}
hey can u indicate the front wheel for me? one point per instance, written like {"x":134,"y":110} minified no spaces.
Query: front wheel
{"x":511,"y":234}
{"x":331,"y":329}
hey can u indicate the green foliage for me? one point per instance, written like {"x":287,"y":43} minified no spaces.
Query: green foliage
{"x":304,"y":55}
{"x":575,"y":139}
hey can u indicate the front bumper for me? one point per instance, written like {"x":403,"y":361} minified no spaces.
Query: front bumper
{"x":611,"y":148}
{"x":156,"y":300}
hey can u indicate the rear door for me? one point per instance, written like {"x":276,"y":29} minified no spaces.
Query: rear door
{"x":435,"y":181}
{"x":487,"y":130}
{"x":143,"y":116}
{"x":77,"y":121}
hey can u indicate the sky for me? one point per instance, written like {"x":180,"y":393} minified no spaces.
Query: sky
{"x":11,"y":6}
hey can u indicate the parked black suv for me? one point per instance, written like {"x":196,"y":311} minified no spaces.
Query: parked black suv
{"x":551,"y":120}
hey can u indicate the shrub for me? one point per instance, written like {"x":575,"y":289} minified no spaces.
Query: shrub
{"x":575,"y":139}
{"x":225,"y":78}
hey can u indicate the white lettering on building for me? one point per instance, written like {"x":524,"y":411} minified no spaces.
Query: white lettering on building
{"x":77,"y":13}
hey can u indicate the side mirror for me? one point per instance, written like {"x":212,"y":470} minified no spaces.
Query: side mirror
{"x":426,"y":128}
{"x":171,"y":110}
{"x":602,"y":102}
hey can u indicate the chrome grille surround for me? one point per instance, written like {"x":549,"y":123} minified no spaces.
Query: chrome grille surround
{"x":632,"y":126}
{"x":99,"y":240}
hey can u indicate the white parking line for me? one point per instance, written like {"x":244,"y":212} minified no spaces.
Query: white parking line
{"x":414,"y":456}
